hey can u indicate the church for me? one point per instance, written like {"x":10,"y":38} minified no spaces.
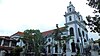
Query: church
{"x":67,"y":40}
{"x":77,"y":30}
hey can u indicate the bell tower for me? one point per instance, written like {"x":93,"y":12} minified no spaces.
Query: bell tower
{"x":77,"y":26}
{"x":70,"y":8}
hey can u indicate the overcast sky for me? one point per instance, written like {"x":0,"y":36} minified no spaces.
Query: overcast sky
{"x":19,"y":15}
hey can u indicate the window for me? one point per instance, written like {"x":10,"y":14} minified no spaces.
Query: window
{"x":56,"y":48}
{"x":71,"y":31}
{"x":48,"y":48}
{"x":79,"y":32}
{"x":78,"y":40}
{"x":6,"y":43}
{"x":83,"y":33}
{"x":13,"y":43}
{"x":64,"y":47}
{"x":70,"y":18}
{"x":73,"y":46}
{"x":70,"y":9}
{"x":49,"y":39}
{"x":0,"y":41}
{"x":84,"y":40}
{"x":79,"y":18}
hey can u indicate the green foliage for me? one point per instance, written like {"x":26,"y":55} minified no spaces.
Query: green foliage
{"x":16,"y":51}
{"x":58,"y":33}
{"x":94,"y":4}
{"x":94,"y":21}
{"x":33,"y":41}
{"x":67,"y":38}
{"x":98,"y":41}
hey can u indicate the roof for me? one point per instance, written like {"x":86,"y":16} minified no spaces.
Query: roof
{"x":45,"y":33}
{"x":18,"y":33}
{"x":6,"y":38}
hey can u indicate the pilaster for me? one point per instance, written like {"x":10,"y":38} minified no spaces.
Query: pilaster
{"x":2,"y":42}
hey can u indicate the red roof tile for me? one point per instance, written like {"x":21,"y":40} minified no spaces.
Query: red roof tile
{"x":45,"y":33}
{"x":19,"y":33}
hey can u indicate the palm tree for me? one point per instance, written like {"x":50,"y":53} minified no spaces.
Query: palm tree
{"x":58,"y":33}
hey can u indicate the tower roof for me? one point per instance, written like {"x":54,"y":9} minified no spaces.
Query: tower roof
{"x":70,"y":4}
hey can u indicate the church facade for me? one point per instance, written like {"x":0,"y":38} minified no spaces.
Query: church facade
{"x":76,"y":28}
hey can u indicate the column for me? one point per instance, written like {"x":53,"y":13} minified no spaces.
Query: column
{"x":2,"y":42}
{"x":10,"y":43}
{"x":68,"y":51}
{"x":2,"y":53}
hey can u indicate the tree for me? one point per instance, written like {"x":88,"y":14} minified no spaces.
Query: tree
{"x":94,"y":4}
{"x":33,"y":41}
{"x":98,"y":41}
{"x":94,"y":21}
{"x":16,"y":51}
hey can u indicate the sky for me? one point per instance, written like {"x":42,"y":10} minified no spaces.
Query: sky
{"x":19,"y":15}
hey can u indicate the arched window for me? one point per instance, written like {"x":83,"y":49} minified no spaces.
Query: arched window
{"x":78,"y":40}
{"x":83,"y":33}
{"x":71,"y":31}
{"x":48,"y":48}
{"x":84,"y":40}
{"x":79,"y":18}
{"x":79,"y":32}
{"x":70,"y":18}
{"x":49,"y":39}
{"x":70,"y":9}
{"x":73,"y":46}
